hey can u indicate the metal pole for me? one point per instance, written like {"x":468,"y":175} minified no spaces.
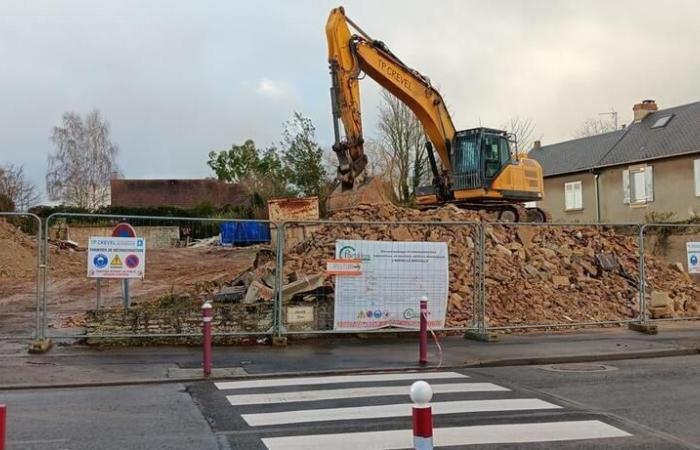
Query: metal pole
{"x":98,"y":302}
{"x":39,"y":267}
{"x":127,"y":300}
{"x":423,"y":335}
{"x":279,"y":280}
{"x":207,"y":313}
{"x":642,"y":279}
{"x":3,"y":426}
{"x":481,"y":323}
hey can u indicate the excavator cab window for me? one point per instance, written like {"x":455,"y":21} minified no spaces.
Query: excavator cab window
{"x":467,"y":161}
{"x":496,"y":154}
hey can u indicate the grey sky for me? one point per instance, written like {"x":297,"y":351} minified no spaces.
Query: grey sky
{"x":178,"y":79}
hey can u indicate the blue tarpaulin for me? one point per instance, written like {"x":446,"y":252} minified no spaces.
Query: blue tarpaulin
{"x":244,"y":233}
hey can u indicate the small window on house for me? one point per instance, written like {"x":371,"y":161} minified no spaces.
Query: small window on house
{"x":573,"y":196}
{"x":638,"y":185}
{"x":662,"y":121}
{"x":696,"y":166}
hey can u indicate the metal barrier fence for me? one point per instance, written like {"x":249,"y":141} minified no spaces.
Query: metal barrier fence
{"x":20,"y":273}
{"x":560,"y":275}
{"x":670,"y":268}
{"x":500,"y":276}
{"x":188,"y":260}
{"x":308,"y":300}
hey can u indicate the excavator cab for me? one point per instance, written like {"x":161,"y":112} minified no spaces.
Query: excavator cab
{"x":478,"y":157}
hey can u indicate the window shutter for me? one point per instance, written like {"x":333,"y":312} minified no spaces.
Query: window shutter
{"x":567,"y":196}
{"x":626,"y":186}
{"x":649,"y":178}
{"x":697,"y":177}
{"x":578,"y":191}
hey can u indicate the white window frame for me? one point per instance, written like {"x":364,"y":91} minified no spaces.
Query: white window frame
{"x":696,"y":171}
{"x":635,"y":179}
{"x":574,"y":200}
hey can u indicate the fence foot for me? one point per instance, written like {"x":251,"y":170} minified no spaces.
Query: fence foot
{"x":279,"y":341}
{"x":645,"y":328}
{"x":481,"y":336}
{"x":40,"y":346}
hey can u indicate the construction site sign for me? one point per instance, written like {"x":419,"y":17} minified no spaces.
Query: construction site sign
{"x":116,"y":257}
{"x":394,"y":276}
{"x":693,"y":250}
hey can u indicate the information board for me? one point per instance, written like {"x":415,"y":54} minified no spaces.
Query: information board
{"x":116,"y":257}
{"x":394,"y":277}
{"x":693,"y":250}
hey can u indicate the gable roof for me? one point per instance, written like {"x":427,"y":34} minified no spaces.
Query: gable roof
{"x":635,"y":143}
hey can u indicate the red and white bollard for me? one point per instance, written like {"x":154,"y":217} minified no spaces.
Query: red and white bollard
{"x":420,"y":394}
{"x":207,"y":314}
{"x":423,"y":333}
{"x":3,"y":425}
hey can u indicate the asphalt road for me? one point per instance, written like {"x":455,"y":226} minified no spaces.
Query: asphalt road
{"x":637,"y":404}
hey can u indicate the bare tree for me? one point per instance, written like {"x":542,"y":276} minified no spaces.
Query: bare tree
{"x":401,"y":142}
{"x":17,"y":188}
{"x":592,"y":127}
{"x":80,"y":168}
{"x":523,"y":129}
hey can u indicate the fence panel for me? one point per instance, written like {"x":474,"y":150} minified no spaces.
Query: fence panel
{"x":554,"y":275}
{"x":308,"y":296}
{"x":20,"y":261}
{"x":188,"y":260}
{"x":671,"y":271}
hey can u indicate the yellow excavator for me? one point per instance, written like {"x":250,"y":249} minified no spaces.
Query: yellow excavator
{"x":478,"y":169}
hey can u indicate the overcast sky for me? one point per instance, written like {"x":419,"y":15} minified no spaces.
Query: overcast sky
{"x":177,"y":79}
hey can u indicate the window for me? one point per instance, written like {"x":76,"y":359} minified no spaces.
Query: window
{"x":697,"y":177}
{"x":573,"y":196}
{"x":662,"y":121}
{"x":638,"y":185}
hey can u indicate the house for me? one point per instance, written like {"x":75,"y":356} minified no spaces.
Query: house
{"x":184,"y":194}
{"x":651,"y":165}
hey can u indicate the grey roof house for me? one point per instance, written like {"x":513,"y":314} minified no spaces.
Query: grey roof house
{"x":651,"y":165}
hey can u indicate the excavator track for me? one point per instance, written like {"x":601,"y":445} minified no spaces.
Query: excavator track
{"x":505,"y":212}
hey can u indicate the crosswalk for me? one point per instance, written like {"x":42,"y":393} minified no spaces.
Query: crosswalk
{"x":344,"y":412}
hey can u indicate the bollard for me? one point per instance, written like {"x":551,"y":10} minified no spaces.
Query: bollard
{"x":207,"y":313}
{"x":3,"y":423}
{"x":420,"y":394}
{"x":423,"y":333}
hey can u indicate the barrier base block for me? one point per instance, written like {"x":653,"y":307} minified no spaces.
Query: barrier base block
{"x":279,"y":341}
{"x":40,"y":346}
{"x":646,"y":328}
{"x":481,"y":336}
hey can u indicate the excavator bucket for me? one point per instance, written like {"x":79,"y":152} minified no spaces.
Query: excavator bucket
{"x":374,"y":191}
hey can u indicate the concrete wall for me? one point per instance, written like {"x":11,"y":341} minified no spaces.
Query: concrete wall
{"x":674,"y":191}
{"x":177,"y":193}
{"x":156,"y":237}
{"x":554,"y":198}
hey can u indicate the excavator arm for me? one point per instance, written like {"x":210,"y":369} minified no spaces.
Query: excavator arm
{"x":349,"y":56}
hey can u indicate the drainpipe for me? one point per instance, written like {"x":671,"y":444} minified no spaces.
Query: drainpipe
{"x":597,"y":196}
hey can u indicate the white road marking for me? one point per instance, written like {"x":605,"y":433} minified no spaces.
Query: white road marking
{"x":380,"y":391}
{"x":481,"y":434}
{"x":279,"y":382}
{"x":395,"y":410}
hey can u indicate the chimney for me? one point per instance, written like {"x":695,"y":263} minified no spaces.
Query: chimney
{"x":641,"y":110}
{"x":537,"y":145}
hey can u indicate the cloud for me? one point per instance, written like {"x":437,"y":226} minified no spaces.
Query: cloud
{"x":274,"y":89}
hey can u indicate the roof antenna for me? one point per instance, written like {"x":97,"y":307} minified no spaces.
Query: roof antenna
{"x":612,"y":113}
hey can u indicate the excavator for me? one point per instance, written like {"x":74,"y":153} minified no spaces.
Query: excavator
{"x":477,"y":168}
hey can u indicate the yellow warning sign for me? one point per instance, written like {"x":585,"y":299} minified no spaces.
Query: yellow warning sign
{"x":116,"y":261}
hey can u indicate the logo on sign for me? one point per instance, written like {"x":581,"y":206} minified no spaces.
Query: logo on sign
{"x":131,"y":261}
{"x":139,"y":243}
{"x":100,"y":261}
{"x":694,"y":260}
{"x":116,"y":261}
{"x":347,"y":252}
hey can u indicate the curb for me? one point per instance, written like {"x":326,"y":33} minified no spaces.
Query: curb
{"x":532,"y":361}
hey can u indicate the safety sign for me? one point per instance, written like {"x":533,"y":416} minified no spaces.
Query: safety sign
{"x":693,"y":250}
{"x":116,"y":257}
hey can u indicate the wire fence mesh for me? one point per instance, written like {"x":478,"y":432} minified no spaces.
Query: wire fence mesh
{"x":187,"y":261}
{"x":20,"y":261}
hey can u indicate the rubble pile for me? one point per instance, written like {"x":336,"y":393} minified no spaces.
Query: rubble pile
{"x":534,"y":274}
{"x":17,"y":252}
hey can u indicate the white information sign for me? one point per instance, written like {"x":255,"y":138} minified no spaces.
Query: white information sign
{"x":116,"y":257}
{"x":693,"y":250}
{"x":394,"y":277}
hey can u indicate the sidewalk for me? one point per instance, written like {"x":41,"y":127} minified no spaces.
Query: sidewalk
{"x":68,"y":365}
